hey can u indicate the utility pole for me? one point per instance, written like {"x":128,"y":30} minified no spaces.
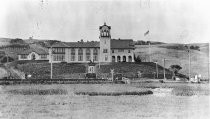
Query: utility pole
{"x":51,"y":65}
{"x":149,"y":53}
{"x":189,"y":62}
{"x":112,"y":72}
{"x":208,"y":68}
{"x":156,"y":69}
{"x":164,"y":70}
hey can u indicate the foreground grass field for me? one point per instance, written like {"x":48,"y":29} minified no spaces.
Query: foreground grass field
{"x":60,"y":101}
{"x":178,"y":89}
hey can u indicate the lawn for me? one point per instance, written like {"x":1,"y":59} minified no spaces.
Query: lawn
{"x":179,"y":89}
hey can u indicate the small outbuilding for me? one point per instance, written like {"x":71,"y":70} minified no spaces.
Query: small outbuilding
{"x":34,"y":54}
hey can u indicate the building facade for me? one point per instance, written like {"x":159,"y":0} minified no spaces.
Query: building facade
{"x":107,"y":50}
{"x":33,"y":54}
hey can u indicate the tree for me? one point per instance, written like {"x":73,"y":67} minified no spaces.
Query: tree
{"x":175,"y":69}
{"x":148,"y":42}
{"x":51,"y":42}
{"x":137,"y":59}
{"x":192,"y":47}
{"x":17,"y":40}
{"x":197,"y":48}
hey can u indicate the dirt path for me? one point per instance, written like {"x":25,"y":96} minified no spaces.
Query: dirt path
{"x":7,"y":70}
{"x":3,"y":72}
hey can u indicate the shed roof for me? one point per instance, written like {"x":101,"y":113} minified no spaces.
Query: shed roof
{"x":36,"y":50}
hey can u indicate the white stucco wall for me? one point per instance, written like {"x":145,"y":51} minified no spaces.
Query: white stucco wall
{"x":121,"y":54}
{"x":105,"y":43}
{"x":68,"y":55}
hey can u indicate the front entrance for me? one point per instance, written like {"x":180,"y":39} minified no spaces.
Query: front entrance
{"x":113,"y":58}
{"x":129,"y":58}
{"x":118,"y":59}
{"x":124,"y":58}
{"x":33,"y":57}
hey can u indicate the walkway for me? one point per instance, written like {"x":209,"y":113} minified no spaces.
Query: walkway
{"x":3,"y":72}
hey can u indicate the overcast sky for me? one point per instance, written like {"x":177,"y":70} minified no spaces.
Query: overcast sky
{"x":172,"y":21}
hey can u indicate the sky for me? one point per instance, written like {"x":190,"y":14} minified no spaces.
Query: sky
{"x":170,"y":21}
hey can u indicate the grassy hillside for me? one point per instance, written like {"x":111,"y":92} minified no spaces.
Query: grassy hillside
{"x":41,"y":70}
{"x":13,"y":47}
{"x":177,"y":54}
{"x":129,"y":69}
{"x":4,"y":41}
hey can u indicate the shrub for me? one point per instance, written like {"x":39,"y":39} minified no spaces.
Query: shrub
{"x":114,"y":93}
{"x":39,"y":92}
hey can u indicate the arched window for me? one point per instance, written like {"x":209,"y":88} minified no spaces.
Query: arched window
{"x":95,"y":54}
{"x":113,"y":58}
{"x":95,"y":51}
{"x":80,"y":51}
{"x":72,"y":54}
{"x":88,"y":51}
{"x":80,"y":54}
{"x":124,"y":58}
{"x":88,"y":54}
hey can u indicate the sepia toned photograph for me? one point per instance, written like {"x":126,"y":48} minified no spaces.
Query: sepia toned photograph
{"x":104,"y":59}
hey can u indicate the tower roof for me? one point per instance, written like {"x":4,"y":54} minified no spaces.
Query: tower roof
{"x":104,"y":26}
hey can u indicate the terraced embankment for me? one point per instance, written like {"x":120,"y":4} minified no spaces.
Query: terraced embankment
{"x":41,"y":70}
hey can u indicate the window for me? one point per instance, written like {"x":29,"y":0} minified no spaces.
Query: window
{"x":95,"y":57}
{"x":43,"y":56}
{"x":58,"y":57}
{"x":87,"y":51}
{"x":120,"y":50}
{"x":129,"y":51}
{"x":88,"y":54}
{"x":80,"y":57}
{"x":59,"y":50}
{"x":105,"y":51}
{"x":73,"y":51}
{"x":80,"y":54}
{"x":80,"y":51}
{"x":62,"y":57}
{"x":23,"y":56}
{"x":95,"y":52}
{"x":106,"y":57}
{"x":72,"y":54}
{"x":112,"y":51}
{"x":72,"y":57}
{"x":87,"y":57}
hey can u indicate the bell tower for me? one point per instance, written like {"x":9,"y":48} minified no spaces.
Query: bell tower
{"x":105,"y":43}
